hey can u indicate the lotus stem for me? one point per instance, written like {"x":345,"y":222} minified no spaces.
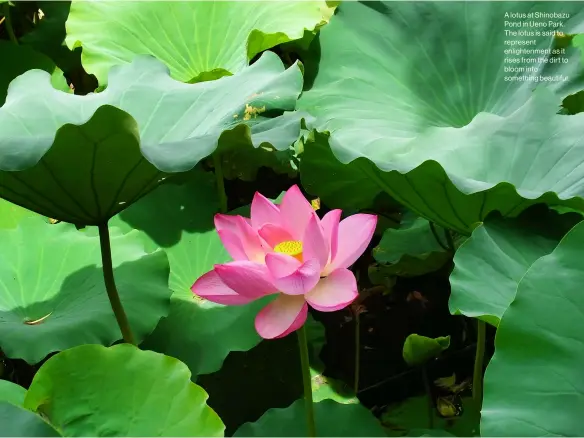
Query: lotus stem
{"x":306,"y":380}
{"x":477,"y":376}
{"x":110,"y":284}
{"x":8,"y":23}
{"x":220,"y":182}
{"x":429,"y":395}
{"x":357,"y":351}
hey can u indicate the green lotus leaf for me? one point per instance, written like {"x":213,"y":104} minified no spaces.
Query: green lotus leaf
{"x":533,"y":384}
{"x":573,"y":104}
{"x":20,"y":422}
{"x":354,"y":187}
{"x":93,"y":390}
{"x":17,"y":59}
{"x":326,"y":388}
{"x":48,"y":36}
{"x":11,"y":393}
{"x":332,"y":419}
{"x":493,"y":260}
{"x":420,"y":349}
{"x":84,"y":159}
{"x":52,"y":293}
{"x":179,"y":218}
{"x":11,"y":214}
{"x":397,"y":81}
{"x":196,"y":40}
{"x":412,"y":249}
{"x":244,"y":163}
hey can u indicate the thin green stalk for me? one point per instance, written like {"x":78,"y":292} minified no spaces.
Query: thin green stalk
{"x":110,"y":285}
{"x":306,"y":381}
{"x":357,"y":351}
{"x":8,"y":23}
{"x":429,"y":395}
{"x":477,"y":376}
{"x":220,"y":183}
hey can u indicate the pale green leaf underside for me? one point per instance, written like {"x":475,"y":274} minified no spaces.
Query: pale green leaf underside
{"x":92,"y":390}
{"x":391,"y":109}
{"x":52,"y":293}
{"x":541,"y":152}
{"x":99,"y":153}
{"x":191,"y":38}
{"x":533,"y":384}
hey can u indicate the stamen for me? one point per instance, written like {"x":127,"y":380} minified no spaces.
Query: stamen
{"x":290,"y":247}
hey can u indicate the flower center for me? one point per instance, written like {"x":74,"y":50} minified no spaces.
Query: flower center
{"x":291,"y":247}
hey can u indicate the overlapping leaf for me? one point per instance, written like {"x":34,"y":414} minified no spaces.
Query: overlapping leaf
{"x":396,"y":115}
{"x":52,"y":293}
{"x":11,"y":393}
{"x":19,"y":422}
{"x":84,"y":159}
{"x":92,"y":390}
{"x":492,"y":262}
{"x":533,"y":384}
{"x":196,"y":40}
{"x":412,"y":249}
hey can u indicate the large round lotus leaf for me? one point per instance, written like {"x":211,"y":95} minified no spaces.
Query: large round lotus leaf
{"x":331,"y":418}
{"x":179,"y":218}
{"x":492,"y":261}
{"x":82,"y":159}
{"x":52,"y":293}
{"x":534,"y":384}
{"x":196,"y":40}
{"x":11,"y":393}
{"x":17,"y":59}
{"x":16,"y":421}
{"x":396,"y":83}
{"x":92,"y":390}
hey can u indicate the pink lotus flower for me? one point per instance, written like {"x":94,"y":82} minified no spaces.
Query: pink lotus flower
{"x":287,"y":250}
